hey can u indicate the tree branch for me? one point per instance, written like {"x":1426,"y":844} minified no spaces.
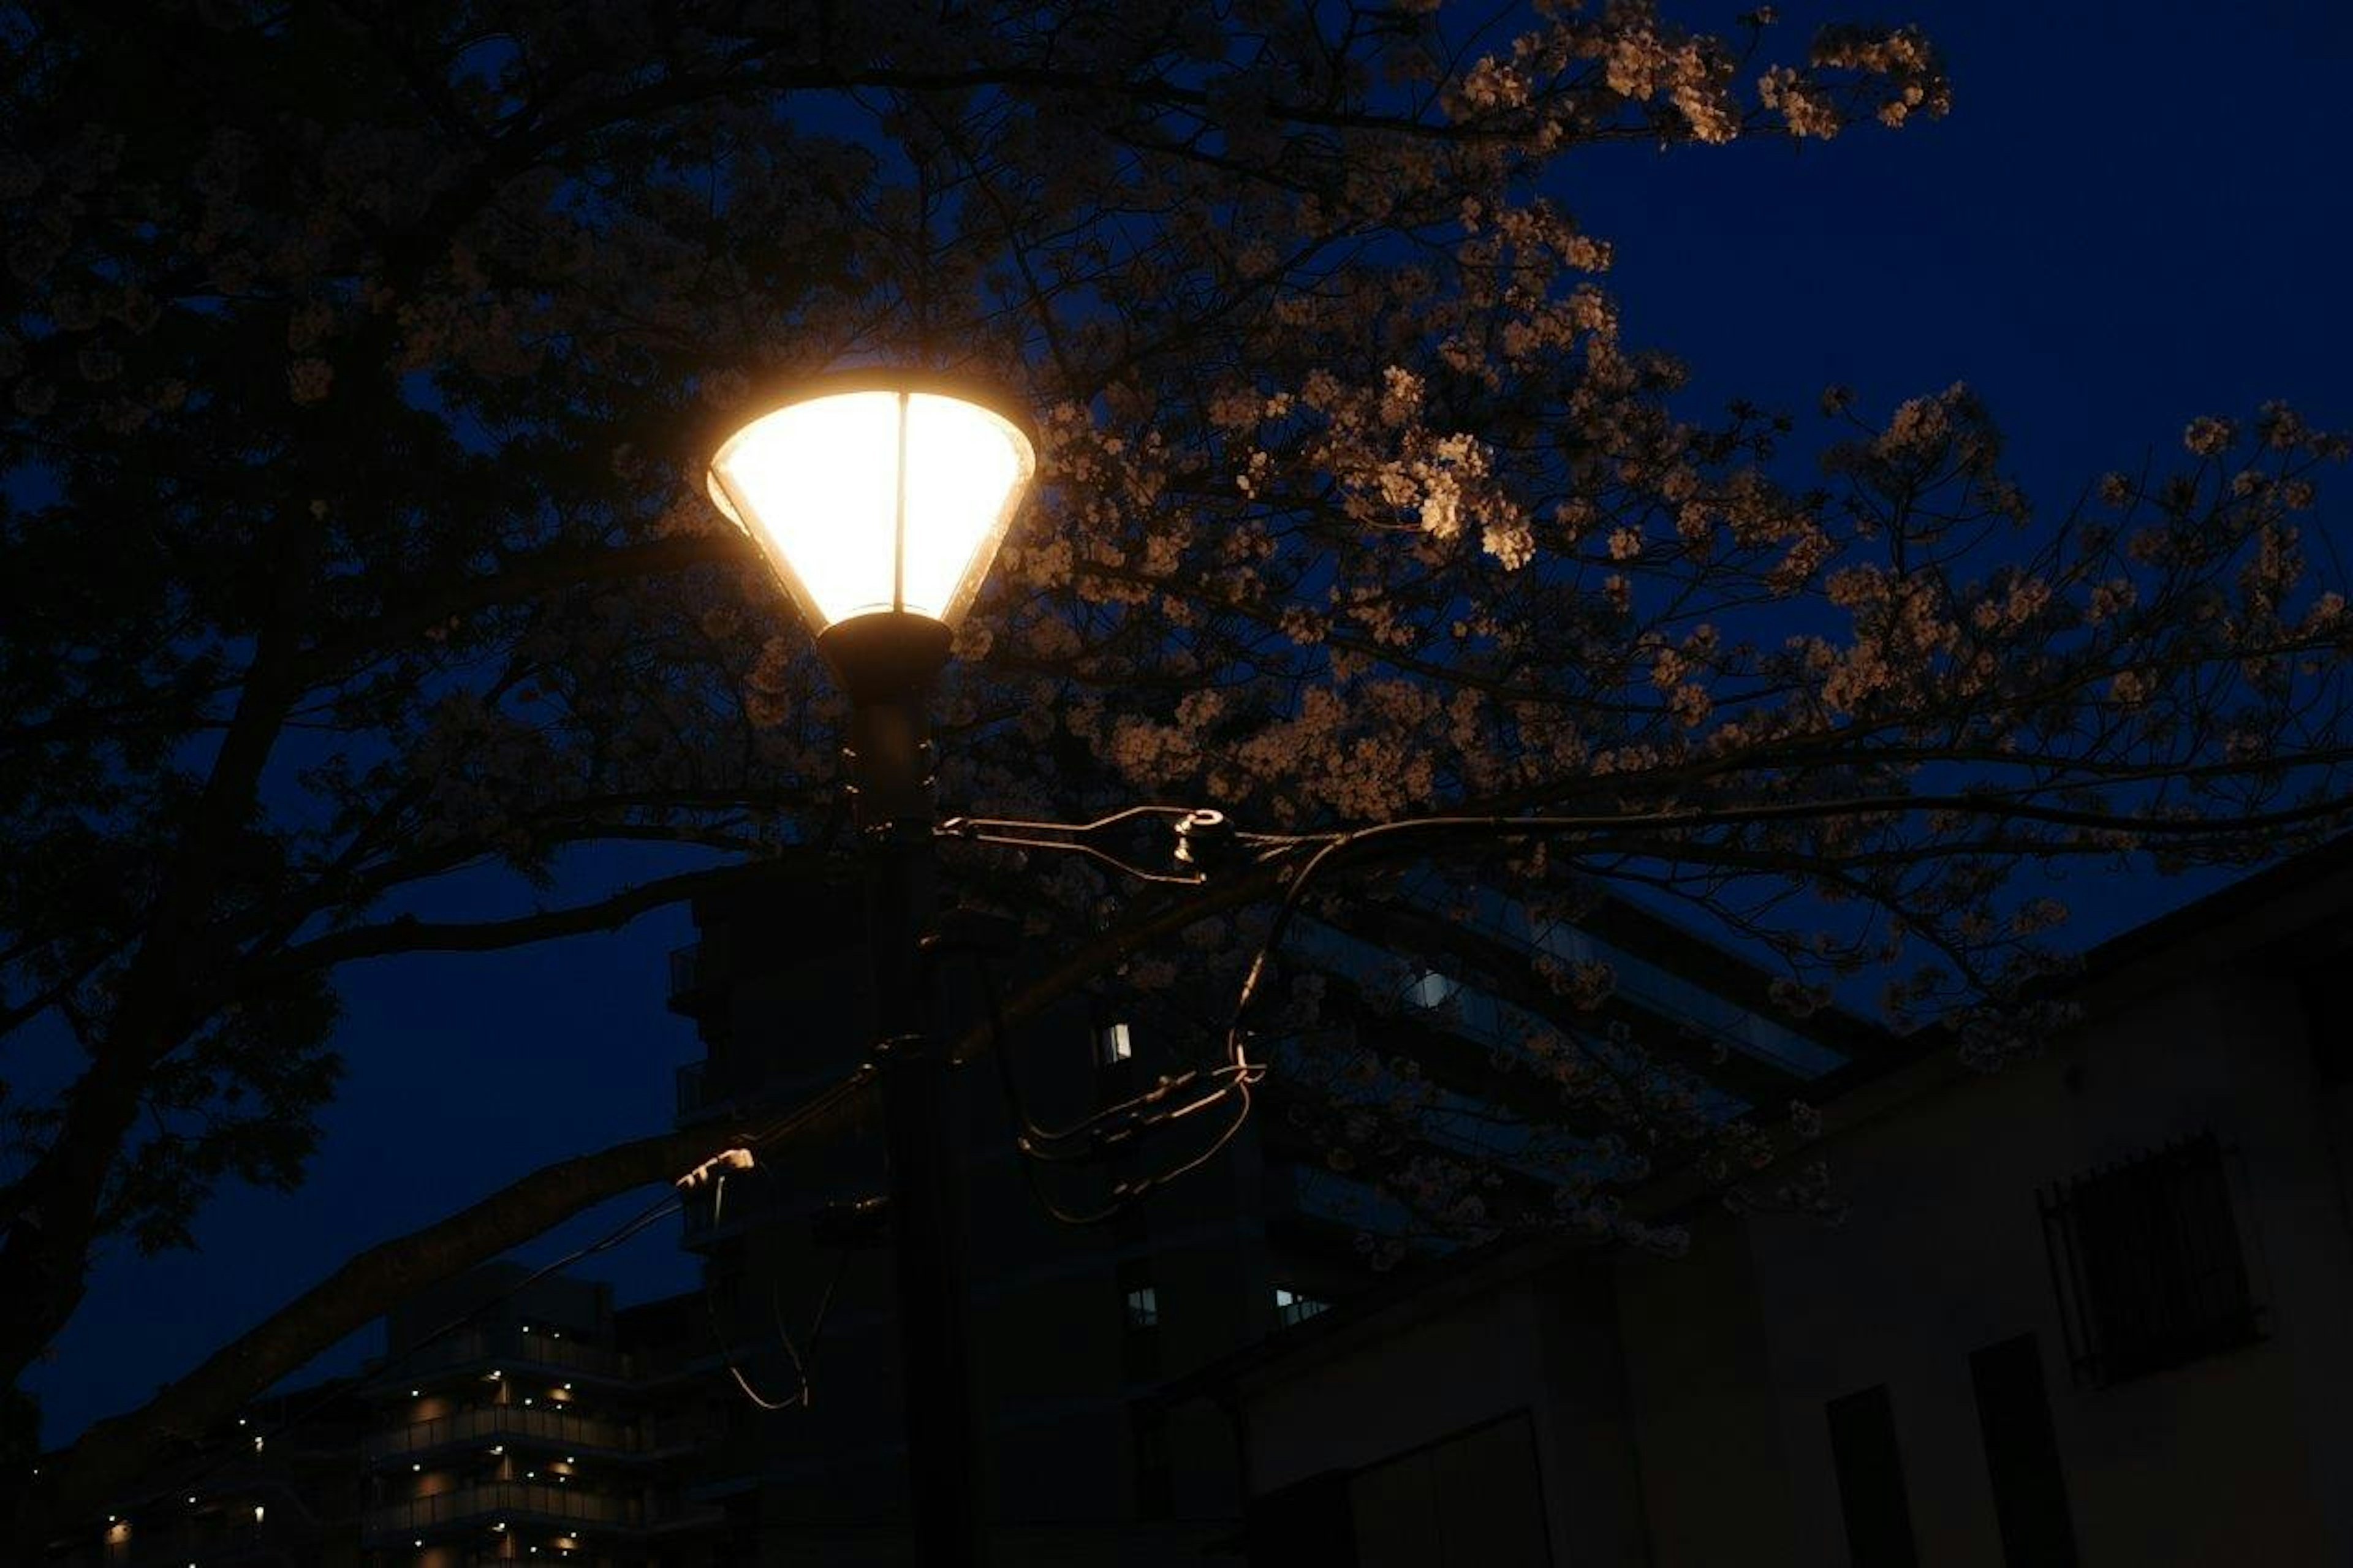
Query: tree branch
{"x":409,"y":934}
{"x":111,"y":1456}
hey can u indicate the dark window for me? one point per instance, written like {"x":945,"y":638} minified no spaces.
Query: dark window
{"x":2029,"y":1490}
{"x":2146,"y":1258}
{"x":1155,"y":1490}
{"x":1871,"y":1480}
{"x":2325,"y":1027}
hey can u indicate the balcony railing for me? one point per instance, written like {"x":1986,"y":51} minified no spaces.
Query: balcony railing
{"x":499,"y":1345}
{"x":518,"y":1501}
{"x":499,"y":1500}
{"x":503,"y":1421}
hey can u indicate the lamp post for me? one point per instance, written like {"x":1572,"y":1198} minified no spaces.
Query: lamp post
{"x":879,"y":497}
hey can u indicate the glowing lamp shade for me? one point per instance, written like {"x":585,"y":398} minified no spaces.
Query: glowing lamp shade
{"x":867,"y":496}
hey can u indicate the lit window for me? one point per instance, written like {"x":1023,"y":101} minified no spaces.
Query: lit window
{"x":1143,"y":1308}
{"x":1291,"y":1307}
{"x":1112,"y":1044}
{"x":1432,"y":990}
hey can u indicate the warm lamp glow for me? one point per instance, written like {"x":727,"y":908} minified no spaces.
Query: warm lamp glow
{"x":874,"y":492}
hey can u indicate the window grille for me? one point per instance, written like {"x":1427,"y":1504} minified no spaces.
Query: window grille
{"x":2146,"y":1258}
{"x":1143,"y":1308}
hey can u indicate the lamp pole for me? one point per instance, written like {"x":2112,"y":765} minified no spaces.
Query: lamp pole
{"x":887,"y":664}
{"x":879,"y":497}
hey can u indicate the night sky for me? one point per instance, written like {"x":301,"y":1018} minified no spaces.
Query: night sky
{"x":2134,"y":215}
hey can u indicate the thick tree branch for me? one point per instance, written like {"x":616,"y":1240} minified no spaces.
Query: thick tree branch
{"x":407,"y":934}
{"x":110,"y":1457}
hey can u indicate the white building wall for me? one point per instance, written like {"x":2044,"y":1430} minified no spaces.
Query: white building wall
{"x":1686,"y":1428}
{"x":2240,"y":1457}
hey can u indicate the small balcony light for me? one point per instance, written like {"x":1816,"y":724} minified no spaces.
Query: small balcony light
{"x":877,"y":490}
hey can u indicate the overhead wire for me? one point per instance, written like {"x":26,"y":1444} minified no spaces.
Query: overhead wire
{"x":804,"y":1394}
{"x":1103,"y":1133}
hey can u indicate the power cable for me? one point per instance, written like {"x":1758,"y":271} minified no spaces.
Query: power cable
{"x":803,"y":1394}
{"x":1130,"y":1120}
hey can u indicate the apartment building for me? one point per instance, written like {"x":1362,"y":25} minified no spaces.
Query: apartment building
{"x":547,"y":1427}
{"x":512,"y":1419}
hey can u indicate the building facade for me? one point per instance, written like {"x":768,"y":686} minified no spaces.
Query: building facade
{"x":2091,"y":1309}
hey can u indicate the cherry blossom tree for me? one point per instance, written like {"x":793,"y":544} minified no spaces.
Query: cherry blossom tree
{"x":358,"y":362}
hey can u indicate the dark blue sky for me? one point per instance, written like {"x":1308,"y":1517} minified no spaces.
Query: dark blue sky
{"x":2134,"y":215}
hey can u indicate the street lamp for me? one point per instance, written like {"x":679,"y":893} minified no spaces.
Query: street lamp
{"x":876,"y":492}
{"x":879,"y":497}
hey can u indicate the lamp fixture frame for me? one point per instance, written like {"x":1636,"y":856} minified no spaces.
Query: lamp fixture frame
{"x":908,"y":382}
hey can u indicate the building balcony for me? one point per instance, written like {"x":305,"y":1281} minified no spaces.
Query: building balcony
{"x":503,"y":1423}
{"x":532,"y":1503}
{"x":496,"y":1349}
{"x":698,"y":977}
